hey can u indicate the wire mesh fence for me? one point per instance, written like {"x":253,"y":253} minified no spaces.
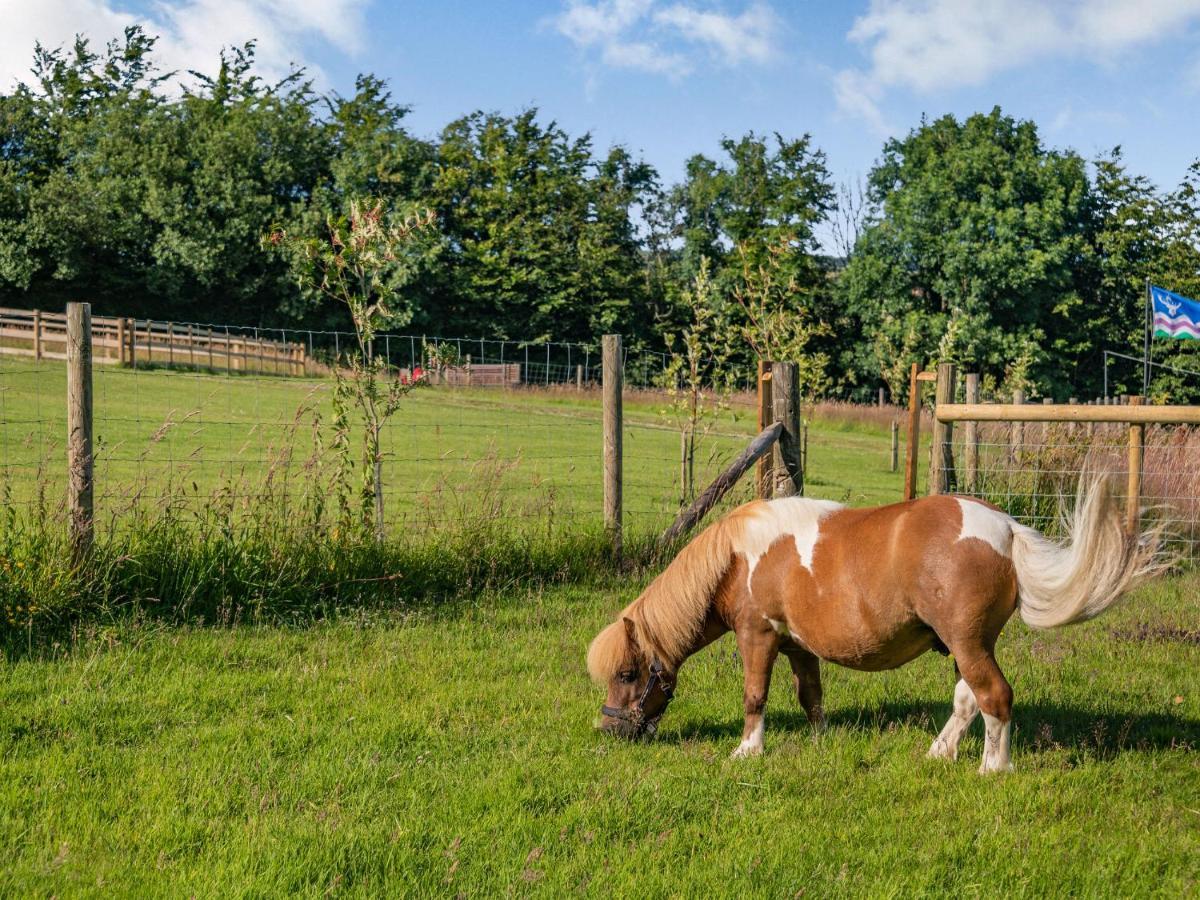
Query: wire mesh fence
{"x":1032,"y":469}
{"x":522,"y":448}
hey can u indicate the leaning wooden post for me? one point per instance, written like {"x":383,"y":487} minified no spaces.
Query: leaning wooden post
{"x":762,"y":471}
{"x":612,"y":378}
{"x":37,"y":334}
{"x":941,"y":458}
{"x":895,"y":445}
{"x":79,"y":426}
{"x":1133,"y":497}
{"x":971,"y":437}
{"x":914,"y":433}
{"x":787,"y":476}
{"x":687,"y":519}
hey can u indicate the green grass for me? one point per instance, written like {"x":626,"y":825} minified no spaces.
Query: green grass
{"x":415,"y":719}
{"x":178,"y":437}
{"x":449,"y":751}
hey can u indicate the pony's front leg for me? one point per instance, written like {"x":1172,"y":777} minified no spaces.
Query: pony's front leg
{"x":758,"y":649}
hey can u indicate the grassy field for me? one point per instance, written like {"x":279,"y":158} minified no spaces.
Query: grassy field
{"x":449,"y":751}
{"x":524,"y":453}
{"x":415,"y":719}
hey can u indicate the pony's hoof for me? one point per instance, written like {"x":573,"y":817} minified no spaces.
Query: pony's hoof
{"x":989,"y":768}
{"x":939,"y":749}
{"x":746,"y":749}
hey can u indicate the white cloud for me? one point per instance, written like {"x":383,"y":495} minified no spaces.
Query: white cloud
{"x":744,"y":38}
{"x":925,"y":45}
{"x":191,"y":32}
{"x":639,"y":35}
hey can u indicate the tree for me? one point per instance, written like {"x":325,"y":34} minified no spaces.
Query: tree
{"x":362,"y":261}
{"x":975,"y":254}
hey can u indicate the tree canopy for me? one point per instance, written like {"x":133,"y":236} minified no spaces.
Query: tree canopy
{"x":148,"y":193}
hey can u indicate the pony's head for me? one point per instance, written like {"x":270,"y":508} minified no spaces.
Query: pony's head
{"x":639,"y":685}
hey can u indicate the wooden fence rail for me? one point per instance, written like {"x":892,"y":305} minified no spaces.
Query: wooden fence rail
{"x":138,"y":342}
{"x":1135,"y":416}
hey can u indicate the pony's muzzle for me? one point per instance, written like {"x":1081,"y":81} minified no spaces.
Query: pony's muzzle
{"x":622,"y":728}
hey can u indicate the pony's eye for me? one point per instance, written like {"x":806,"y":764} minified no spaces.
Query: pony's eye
{"x":629,"y":677}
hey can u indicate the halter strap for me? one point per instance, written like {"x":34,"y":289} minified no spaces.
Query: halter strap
{"x":634,"y":712}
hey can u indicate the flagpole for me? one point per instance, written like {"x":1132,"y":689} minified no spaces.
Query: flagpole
{"x":1149,"y":327}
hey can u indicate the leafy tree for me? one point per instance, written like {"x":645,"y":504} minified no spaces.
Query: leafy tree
{"x":540,"y":237}
{"x":975,"y":252}
{"x":361,"y":261}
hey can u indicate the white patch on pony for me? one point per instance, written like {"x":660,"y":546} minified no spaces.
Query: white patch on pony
{"x":781,"y":628}
{"x":945,"y":745}
{"x":753,"y":745}
{"x":795,"y":516}
{"x":986,"y":524}
{"x":995,"y":746}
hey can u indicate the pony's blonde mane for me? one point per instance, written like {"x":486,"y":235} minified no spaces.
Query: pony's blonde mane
{"x":670,"y":613}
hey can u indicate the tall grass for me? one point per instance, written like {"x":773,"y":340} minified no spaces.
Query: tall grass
{"x":1035,"y":478}
{"x":291,"y":543}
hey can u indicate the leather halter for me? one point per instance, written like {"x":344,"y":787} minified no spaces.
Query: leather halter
{"x":634,"y":713}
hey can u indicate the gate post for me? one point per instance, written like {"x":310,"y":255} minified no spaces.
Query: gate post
{"x":1133,"y":496}
{"x":914,"y":433}
{"x":941,"y":459}
{"x":787,"y":476}
{"x":762,"y":469}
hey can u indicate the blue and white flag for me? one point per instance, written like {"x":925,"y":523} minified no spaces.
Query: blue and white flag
{"x":1175,"y":316}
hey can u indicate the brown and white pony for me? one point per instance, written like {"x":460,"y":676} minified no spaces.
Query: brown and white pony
{"x":870,"y":589}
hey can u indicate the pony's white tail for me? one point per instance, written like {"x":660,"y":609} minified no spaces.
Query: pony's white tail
{"x":1076,"y":580}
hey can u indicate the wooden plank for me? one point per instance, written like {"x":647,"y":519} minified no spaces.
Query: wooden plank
{"x":1064,"y":412}
{"x":712,"y":495}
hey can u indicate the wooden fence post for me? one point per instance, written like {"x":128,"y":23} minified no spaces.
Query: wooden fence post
{"x":1133,"y":497}
{"x":971,"y":437}
{"x":37,"y":334}
{"x":762,"y":469}
{"x":79,"y":427}
{"x":895,"y":445}
{"x":787,"y":476}
{"x":941,"y":457}
{"x":120,"y":340}
{"x":914,"y":433}
{"x":612,"y":384}
{"x":578,"y":378}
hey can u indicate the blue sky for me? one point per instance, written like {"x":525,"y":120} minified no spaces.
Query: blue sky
{"x":668,"y":78}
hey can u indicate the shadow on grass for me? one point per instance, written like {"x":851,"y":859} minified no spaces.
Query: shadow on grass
{"x":1039,"y":727}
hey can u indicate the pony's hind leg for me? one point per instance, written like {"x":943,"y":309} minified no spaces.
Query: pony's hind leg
{"x":758,"y":650}
{"x":806,"y":678}
{"x":945,"y":745}
{"x":994,"y":696}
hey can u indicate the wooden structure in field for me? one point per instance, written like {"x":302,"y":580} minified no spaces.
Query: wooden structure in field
{"x":136,"y":342}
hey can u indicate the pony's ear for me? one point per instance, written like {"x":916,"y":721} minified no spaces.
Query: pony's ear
{"x":630,"y":631}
